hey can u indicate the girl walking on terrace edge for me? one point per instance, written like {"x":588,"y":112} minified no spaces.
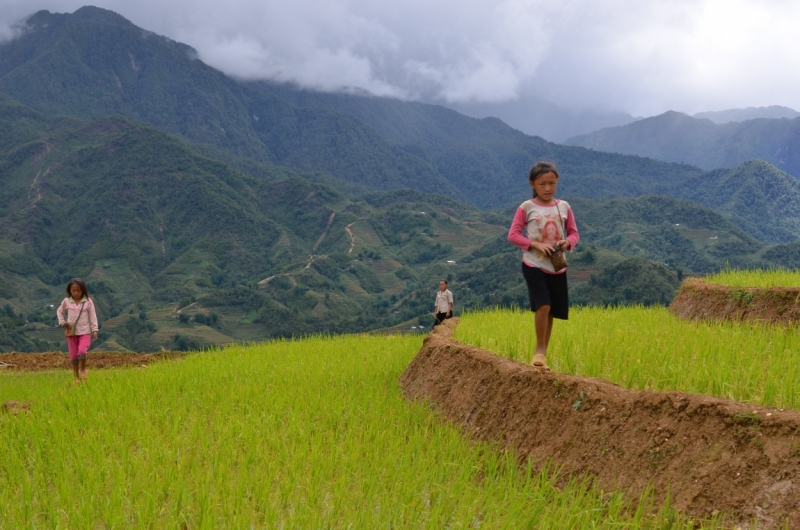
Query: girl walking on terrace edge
{"x":547,"y":223}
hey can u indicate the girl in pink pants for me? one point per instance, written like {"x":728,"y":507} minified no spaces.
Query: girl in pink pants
{"x":77,"y":315}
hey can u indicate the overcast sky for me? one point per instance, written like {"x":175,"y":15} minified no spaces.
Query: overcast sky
{"x":638,"y":56}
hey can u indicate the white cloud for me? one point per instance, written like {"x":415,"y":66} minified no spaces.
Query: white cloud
{"x":640,"y":56}
{"x":681,"y":55}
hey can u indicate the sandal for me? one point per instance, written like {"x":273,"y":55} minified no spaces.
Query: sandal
{"x":539,"y":362}
{"x":84,"y":374}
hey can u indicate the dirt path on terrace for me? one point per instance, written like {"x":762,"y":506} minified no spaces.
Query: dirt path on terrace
{"x":37,"y":362}
{"x":697,"y":300}
{"x":712,"y":454}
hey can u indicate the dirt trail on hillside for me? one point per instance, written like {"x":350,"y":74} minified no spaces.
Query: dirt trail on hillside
{"x":697,"y":300}
{"x":352,"y":237}
{"x":311,"y":260}
{"x":36,"y":362}
{"x":324,"y":232}
{"x":713,"y":455}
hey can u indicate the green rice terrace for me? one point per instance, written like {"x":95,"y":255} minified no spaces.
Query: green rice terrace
{"x":317,"y":433}
{"x":763,"y":279}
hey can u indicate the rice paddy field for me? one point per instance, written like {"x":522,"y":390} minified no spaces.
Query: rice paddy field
{"x":761,"y":278}
{"x":299,"y":434}
{"x":650,"y":348}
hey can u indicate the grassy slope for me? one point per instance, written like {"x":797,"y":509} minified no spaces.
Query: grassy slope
{"x":302,"y":434}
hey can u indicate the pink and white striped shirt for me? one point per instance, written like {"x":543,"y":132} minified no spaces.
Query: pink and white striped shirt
{"x":544,"y":223}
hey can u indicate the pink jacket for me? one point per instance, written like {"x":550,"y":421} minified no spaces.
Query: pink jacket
{"x":87,"y":323}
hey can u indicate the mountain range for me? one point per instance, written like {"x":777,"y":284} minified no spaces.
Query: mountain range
{"x":204,"y":209}
{"x":94,"y":62}
{"x":774,"y":112}
{"x":210,"y":254}
{"x":676,"y":137}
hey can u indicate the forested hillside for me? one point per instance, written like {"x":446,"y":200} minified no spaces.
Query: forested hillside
{"x":756,"y":196}
{"x":182,"y":250}
{"x":154,"y":225}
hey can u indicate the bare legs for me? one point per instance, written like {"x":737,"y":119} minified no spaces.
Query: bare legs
{"x":544,"y":326}
{"x":79,"y":369}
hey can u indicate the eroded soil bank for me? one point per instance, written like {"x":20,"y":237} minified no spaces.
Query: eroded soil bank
{"x":697,"y":300}
{"x":713,"y":455}
{"x":34,"y":362}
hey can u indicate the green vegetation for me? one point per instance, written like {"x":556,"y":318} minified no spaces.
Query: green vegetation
{"x":649,"y":348}
{"x":630,"y":282}
{"x":13,"y":327}
{"x":301,"y":434}
{"x":166,"y":230}
{"x":760,"y":278}
{"x":756,"y":196}
{"x":675,"y":232}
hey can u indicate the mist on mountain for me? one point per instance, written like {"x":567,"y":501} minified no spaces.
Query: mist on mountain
{"x":677,"y":137}
{"x":538,"y":117}
{"x":774,"y":112}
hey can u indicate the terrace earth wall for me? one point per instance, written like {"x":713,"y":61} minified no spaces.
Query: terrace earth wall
{"x":710,"y":454}
{"x":697,"y":300}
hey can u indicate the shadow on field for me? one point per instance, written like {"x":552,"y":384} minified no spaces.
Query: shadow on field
{"x":711,"y":455}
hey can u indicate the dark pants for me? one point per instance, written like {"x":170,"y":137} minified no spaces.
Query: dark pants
{"x":440,"y":318}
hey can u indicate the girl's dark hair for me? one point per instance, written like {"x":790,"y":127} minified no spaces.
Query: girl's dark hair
{"x":445,"y":281}
{"x":80,"y":283}
{"x":539,"y":169}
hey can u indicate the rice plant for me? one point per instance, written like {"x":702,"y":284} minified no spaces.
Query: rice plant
{"x":762,"y":278}
{"x":650,"y":348}
{"x":297,"y":434}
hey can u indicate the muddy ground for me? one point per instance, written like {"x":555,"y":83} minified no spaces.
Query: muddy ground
{"x":713,"y":455}
{"x":35,"y":362}
{"x":697,"y":300}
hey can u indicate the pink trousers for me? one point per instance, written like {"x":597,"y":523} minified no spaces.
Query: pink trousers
{"x":78,"y":346}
